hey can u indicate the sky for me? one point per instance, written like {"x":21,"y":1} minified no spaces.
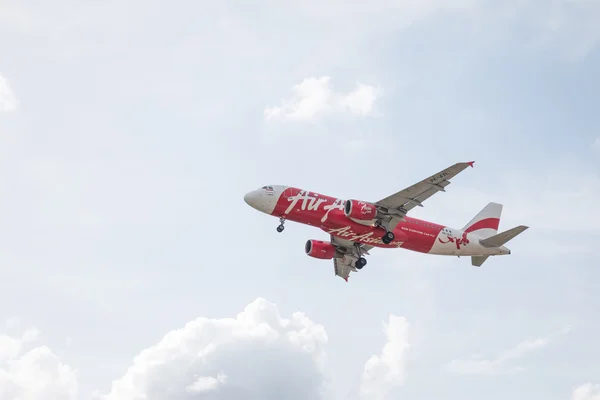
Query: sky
{"x":131,"y":267}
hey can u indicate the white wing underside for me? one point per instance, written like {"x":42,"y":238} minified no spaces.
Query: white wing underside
{"x":396,"y":207}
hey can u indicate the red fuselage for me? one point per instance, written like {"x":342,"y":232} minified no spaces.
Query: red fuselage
{"x":327,"y":213}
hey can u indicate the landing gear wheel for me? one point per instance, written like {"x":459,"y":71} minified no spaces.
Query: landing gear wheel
{"x":280,"y":228}
{"x":361,"y":262}
{"x":388,"y":238}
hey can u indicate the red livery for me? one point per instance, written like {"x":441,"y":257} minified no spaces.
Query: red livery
{"x":357,"y":226}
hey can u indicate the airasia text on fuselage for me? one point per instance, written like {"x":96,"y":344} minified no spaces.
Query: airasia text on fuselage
{"x":312,"y":203}
{"x":346,"y":232}
{"x":307,"y":201}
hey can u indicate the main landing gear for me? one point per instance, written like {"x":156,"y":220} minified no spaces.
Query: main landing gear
{"x":280,"y":228}
{"x":361,"y":262}
{"x":388,"y":237}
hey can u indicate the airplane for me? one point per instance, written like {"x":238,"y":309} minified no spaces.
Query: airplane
{"x":356,"y":226}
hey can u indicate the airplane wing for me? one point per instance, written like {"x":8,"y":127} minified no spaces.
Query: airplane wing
{"x":344,"y":265}
{"x":399,"y":204}
{"x":395,"y":207}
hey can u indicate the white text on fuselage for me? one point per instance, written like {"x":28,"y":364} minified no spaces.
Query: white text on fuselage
{"x":347,"y":233}
{"x":365,"y":208}
{"x":312,"y":203}
{"x":407,"y":229}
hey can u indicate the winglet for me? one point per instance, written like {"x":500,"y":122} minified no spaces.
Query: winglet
{"x":471,"y":163}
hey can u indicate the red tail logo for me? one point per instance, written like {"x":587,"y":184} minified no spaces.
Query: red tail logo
{"x":457,"y":241}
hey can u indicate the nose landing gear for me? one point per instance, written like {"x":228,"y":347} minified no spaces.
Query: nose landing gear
{"x":280,"y":228}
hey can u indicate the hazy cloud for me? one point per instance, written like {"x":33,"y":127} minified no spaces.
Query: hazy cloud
{"x":477,"y":365}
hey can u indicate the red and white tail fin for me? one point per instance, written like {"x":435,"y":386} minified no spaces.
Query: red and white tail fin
{"x":485,"y":224}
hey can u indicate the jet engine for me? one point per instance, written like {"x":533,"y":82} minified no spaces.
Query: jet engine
{"x":320,"y":249}
{"x":360,"y":210}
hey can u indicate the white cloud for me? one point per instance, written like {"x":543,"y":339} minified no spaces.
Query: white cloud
{"x":587,"y":391}
{"x":257,"y":355}
{"x":386,"y":371}
{"x":477,"y":365}
{"x":315,"y":97}
{"x":207,"y":384}
{"x":8,"y":101}
{"x":33,"y":374}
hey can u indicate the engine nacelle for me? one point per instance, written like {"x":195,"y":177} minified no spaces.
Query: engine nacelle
{"x":319,"y":249}
{"x":360,"y":210}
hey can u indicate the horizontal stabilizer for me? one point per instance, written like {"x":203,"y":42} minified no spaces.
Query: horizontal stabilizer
{"x":501,"y":238}
{"x":477,"y":261}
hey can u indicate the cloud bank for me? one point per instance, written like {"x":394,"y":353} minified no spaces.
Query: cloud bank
{"x":257,"y":355}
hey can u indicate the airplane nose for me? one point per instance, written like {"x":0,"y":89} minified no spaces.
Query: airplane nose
{"x":251,"y":198}
{"x":261,"y":201}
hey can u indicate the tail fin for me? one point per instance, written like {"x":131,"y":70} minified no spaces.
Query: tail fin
{"x":485,"y":224}
{"x":501,"y":238}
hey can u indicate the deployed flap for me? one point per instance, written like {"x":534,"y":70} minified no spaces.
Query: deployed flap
{"x":501,"y":238}
{"x":342,"y":267}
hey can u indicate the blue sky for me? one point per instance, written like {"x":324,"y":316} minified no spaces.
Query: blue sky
{"x":130,"y":131}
